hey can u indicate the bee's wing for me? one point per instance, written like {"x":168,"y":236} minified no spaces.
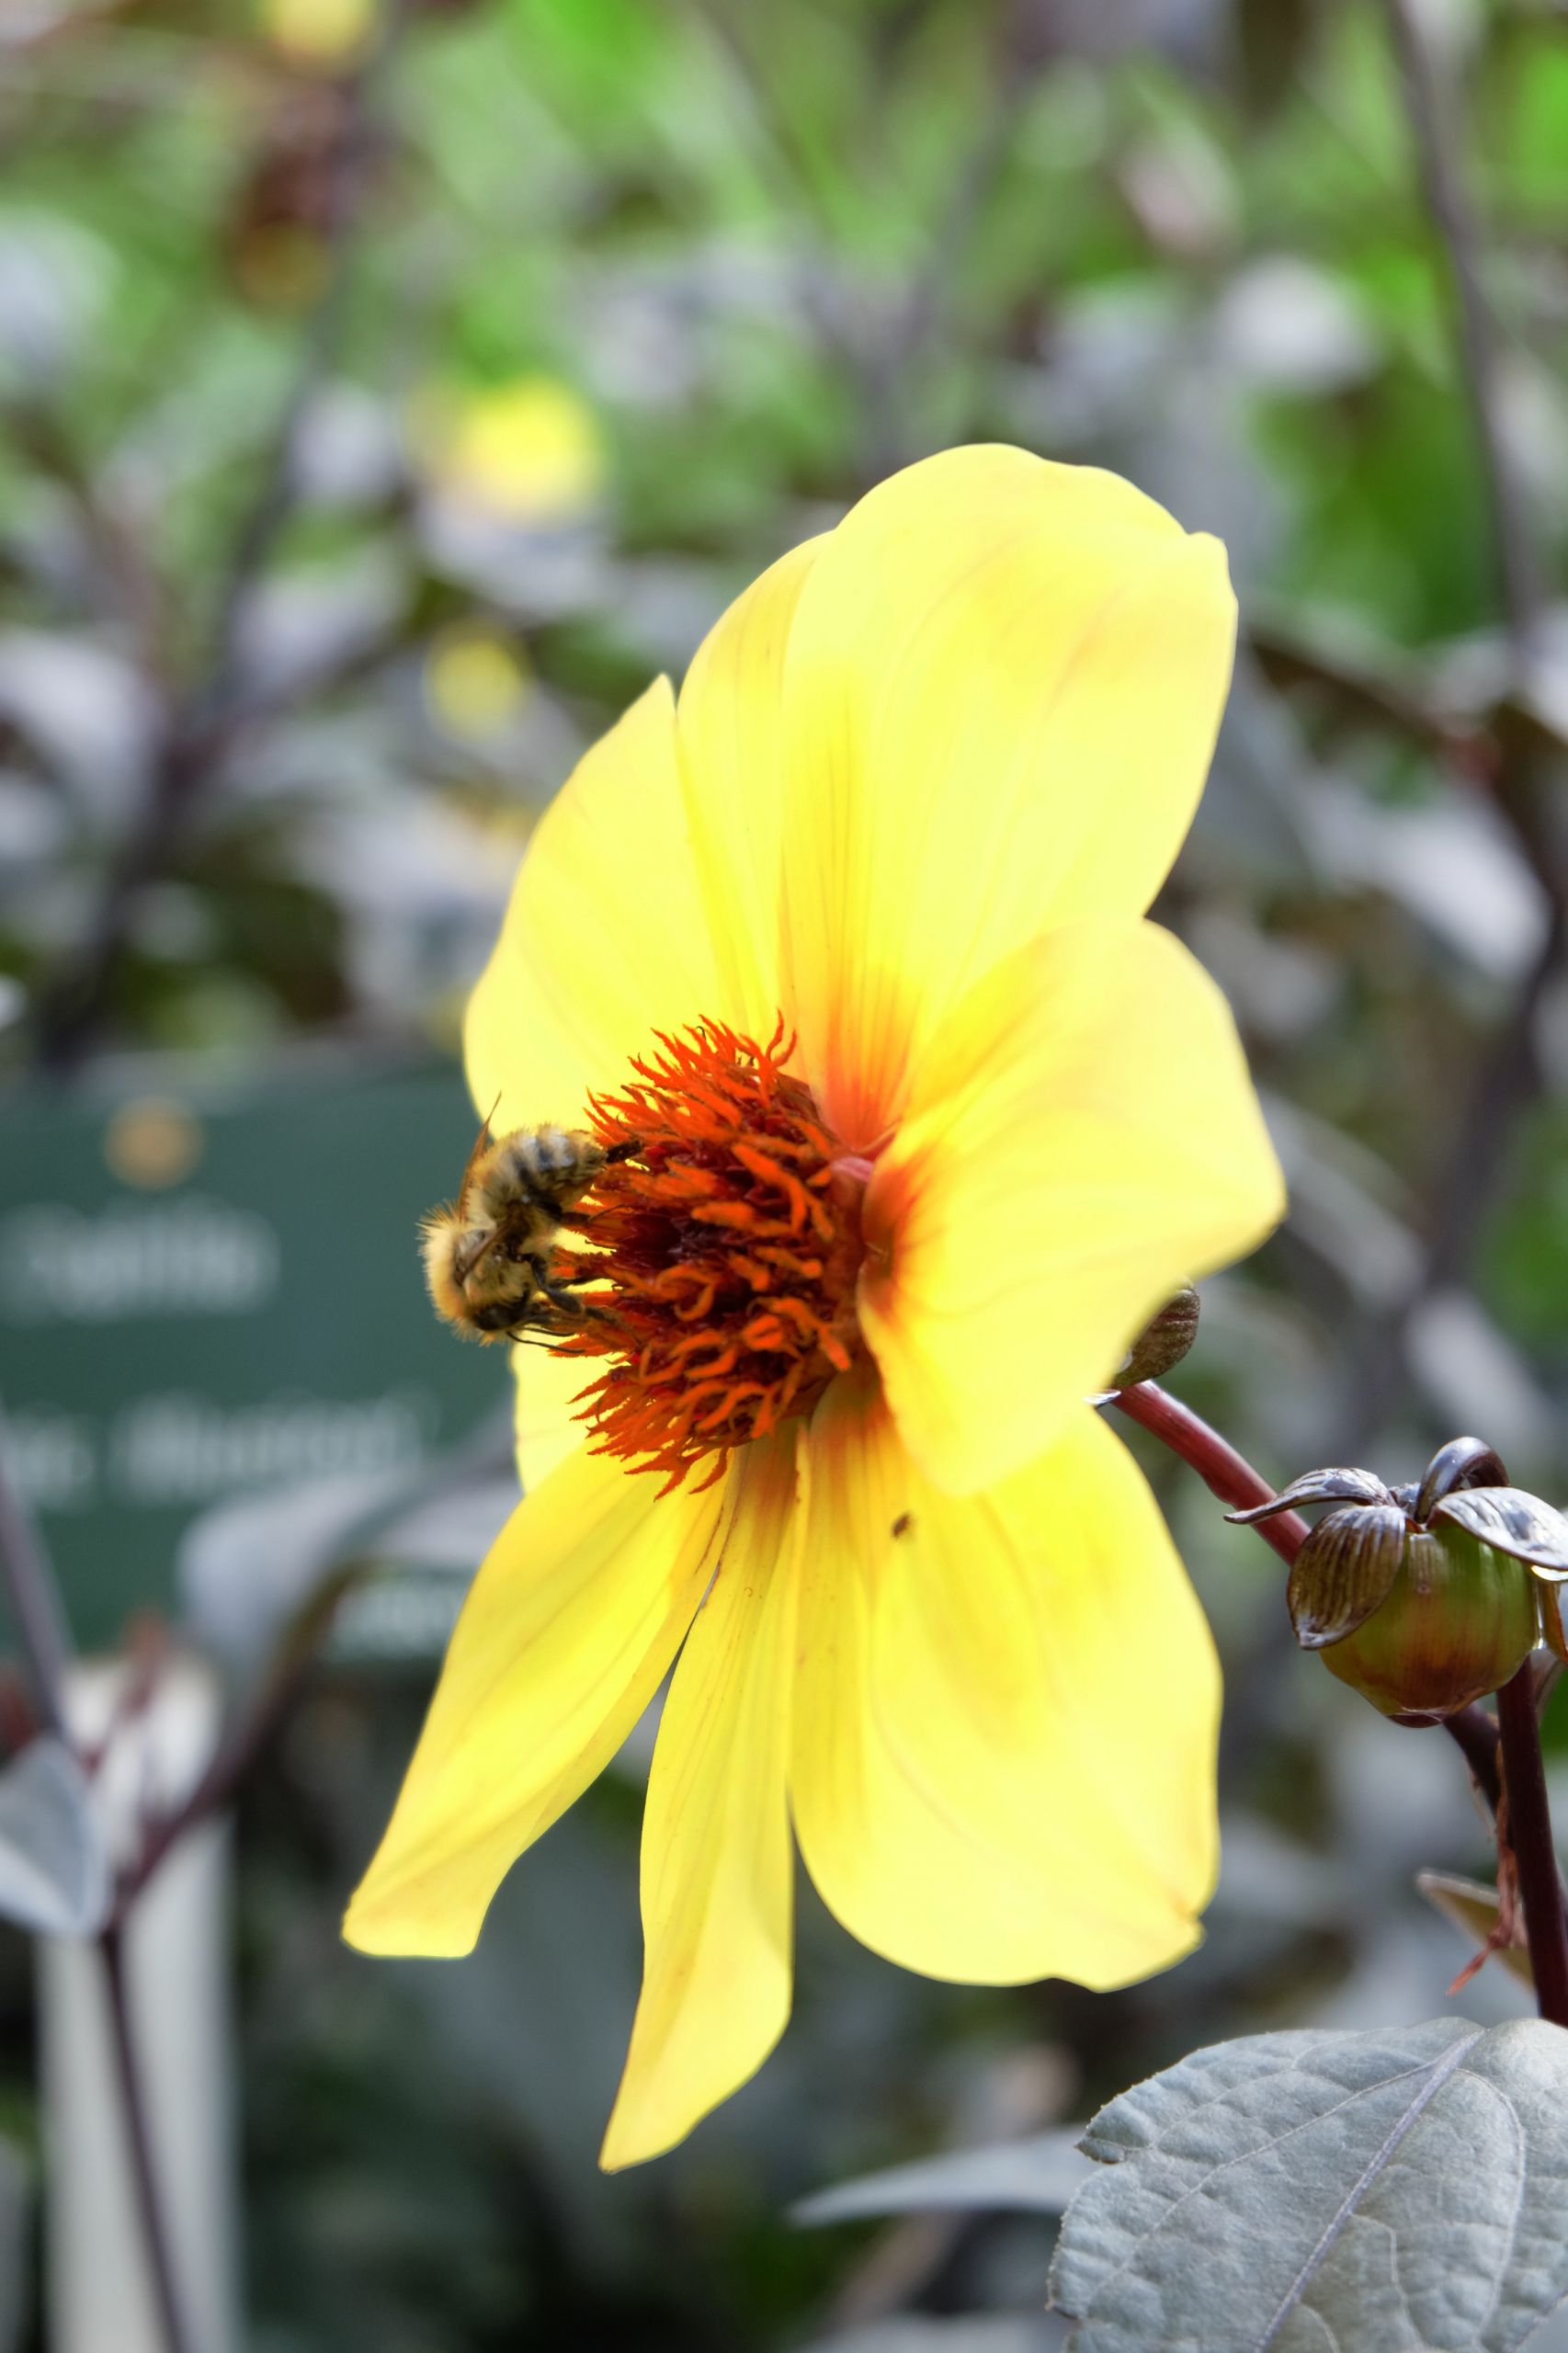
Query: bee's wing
{"x":518,"y":1222}
{"x":481,"y":1146}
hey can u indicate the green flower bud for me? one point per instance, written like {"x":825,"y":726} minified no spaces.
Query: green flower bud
{"x":1425,"y":1597}
{"x":1458,"y":1620}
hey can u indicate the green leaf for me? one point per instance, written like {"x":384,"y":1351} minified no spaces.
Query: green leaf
{"x":1328,"y":2193}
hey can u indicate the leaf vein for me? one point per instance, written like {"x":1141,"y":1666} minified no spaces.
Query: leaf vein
{"x":1441,"y":2070}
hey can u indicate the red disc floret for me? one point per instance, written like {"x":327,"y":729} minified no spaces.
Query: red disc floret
{"x":730,"y":1245}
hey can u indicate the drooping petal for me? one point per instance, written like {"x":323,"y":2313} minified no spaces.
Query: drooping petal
{"x":1003,"y":683}
{"x":572,"y":1623}
{"x":729,"y":741}
{"x":718,"y":1864}
{"x":1004,"y":1752}
{"x":1082,"y":1139}
{"x":605,"y":939}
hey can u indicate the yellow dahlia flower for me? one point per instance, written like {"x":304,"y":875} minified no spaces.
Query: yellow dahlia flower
{"x":930,"y":1121}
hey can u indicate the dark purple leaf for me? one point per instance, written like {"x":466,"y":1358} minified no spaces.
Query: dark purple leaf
{"x":1344,"y":1572}
{"x":1511,"y":1521}
{"x":1317,"y":1487}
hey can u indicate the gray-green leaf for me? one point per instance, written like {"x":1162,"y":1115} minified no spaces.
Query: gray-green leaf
{"x":1036,"y":2175}
{"x":54,"y":1866}
{"x":1399,"y":2192}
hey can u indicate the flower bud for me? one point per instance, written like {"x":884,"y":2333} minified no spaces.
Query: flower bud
{"x":1163,"y":1341}
{"x":1425,"y":1597}
{"x":1458,"y":1620}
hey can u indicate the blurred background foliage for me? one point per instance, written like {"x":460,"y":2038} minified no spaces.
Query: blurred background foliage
{"x":384,"y":397}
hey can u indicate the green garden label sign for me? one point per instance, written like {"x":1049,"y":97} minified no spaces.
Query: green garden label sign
{"x":210,"y":1291}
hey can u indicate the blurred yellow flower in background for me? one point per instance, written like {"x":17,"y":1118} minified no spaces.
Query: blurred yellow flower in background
{"x":477,"y":681}
{"x":930,"y":1121}
{"x":530,"y":451}
{"x":319,"y":32}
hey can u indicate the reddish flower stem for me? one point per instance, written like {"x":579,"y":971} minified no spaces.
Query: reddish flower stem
{"x":1530,"y":1834}
{"x":1475,"y":1731}
{"x":1232,"y":1477}
{"x":1222,"y":1471}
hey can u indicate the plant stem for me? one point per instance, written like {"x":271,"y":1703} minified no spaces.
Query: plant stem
{"x":139,"y":2144}
{"x":1530,"y":1834}
{"x":197,"y":725}
{"x":1476,"y":1733}
{"x":1508,"y":1075}
{"x":1479,"y":346}
{"x":1222,"y":1471}
{"x":36,"y":1607}
{"x":238,"y":1750}
{"x":41,"y":1625}
{"x":1232,"y":1477}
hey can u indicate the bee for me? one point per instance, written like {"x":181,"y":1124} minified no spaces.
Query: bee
{"x":487,"y":1253}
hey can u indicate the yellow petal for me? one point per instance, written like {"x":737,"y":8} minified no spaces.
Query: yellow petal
{"x":544,"y":1411}
{"x":1006,"y":1709}
{"x":605,"y":939}
{"x":1002,"y":683}
{"x":718,"y":1865}
{"x":1082,"y":1139}
{"x":728,"y":724}
{"x":572,"y":1623}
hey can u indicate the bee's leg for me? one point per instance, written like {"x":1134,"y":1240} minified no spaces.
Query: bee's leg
{"x":558,"y":1290}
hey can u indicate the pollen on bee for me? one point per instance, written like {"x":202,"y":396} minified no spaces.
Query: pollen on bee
{"x":491,"y":1257}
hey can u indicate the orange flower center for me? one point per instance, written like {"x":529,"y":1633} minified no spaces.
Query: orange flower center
{"x":730,"y":1243}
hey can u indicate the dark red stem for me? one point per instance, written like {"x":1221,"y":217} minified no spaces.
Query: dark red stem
{"x":1232,"y":1477}
{"x":1222,"y":1471}
{"x":28,"y":1582}
{"x":1528,"y":1823}
{"x":1475,"y":1731}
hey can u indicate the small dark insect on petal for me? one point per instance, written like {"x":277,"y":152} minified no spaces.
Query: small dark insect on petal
{"x":1344,"y":1572}
{"x":1512,"y":1521}
{"x":1464,"y":1462}
{"x":904,"y":1523}
{"x":1317,"y":1487}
